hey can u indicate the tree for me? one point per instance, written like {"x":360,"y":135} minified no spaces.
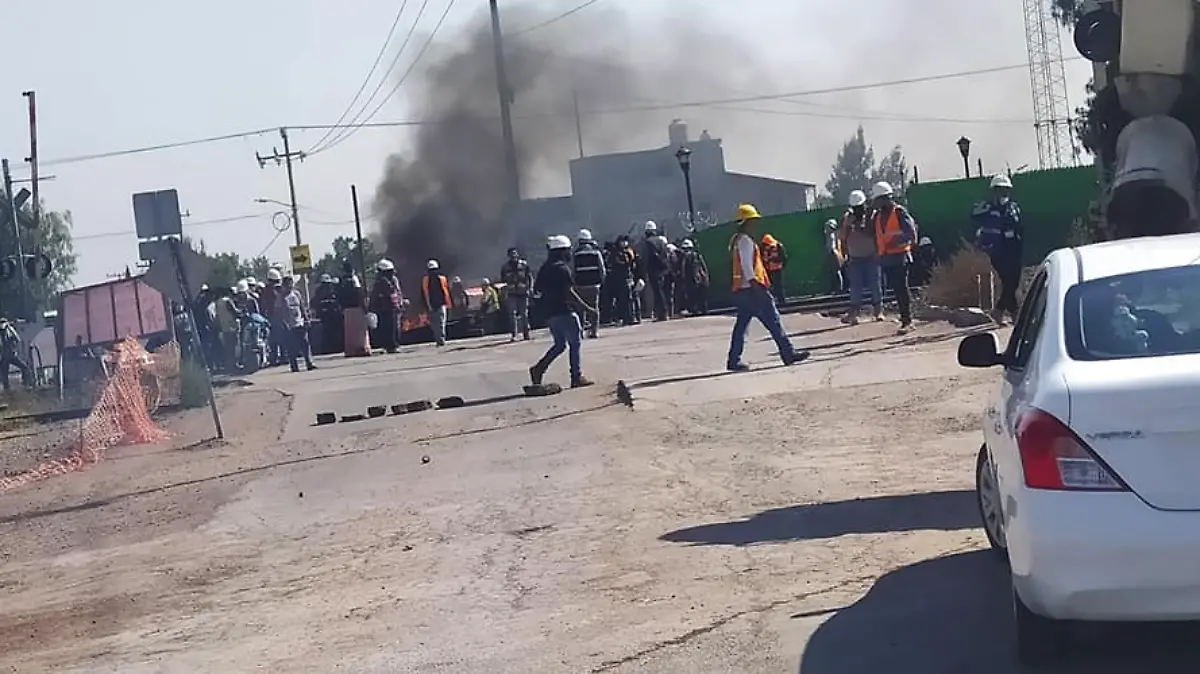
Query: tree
{"x":53,"y":239}
{"x":345,"y":248}
{"x":892,"y":169}
{"x":853,"y":169}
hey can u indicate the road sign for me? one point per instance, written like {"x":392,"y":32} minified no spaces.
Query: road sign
{"x":157,"y":214}
{"x":301,"y":259}
{"x":163,"y":277}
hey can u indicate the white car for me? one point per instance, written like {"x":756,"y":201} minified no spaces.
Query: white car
{"x":1089,"y":477}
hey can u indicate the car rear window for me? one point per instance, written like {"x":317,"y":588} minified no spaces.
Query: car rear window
{"x":1145,"y":314}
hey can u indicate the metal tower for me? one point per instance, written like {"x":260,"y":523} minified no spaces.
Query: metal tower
{"x":1048,"y":80}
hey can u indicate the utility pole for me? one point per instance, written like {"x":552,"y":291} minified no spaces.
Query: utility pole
{"x":362,"y":254}
{"x":286,"y":159}
{"x":506,"y":101}
{"x":10,"y":209}
{"x":33,"y":159}
{"x":578,"y":122}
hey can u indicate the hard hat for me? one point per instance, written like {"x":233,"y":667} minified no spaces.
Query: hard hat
{"x":585,"y":235}
{"x":881,"y":189}
{"x":456,"y":279}
{"x":486,"y":281}
{"x":432,"y":264}
{"x":558,"y":242}
{"x":274,"y":274}
{"x":513,"y":252}
{"x":651,"y":226}
{"x":242,"y":287}
{"x":260,"y":285}
{"x":251,"y":281}
{"x":831,"y":224}
{"x":203,"y":287}
{"x":687,"y":244}
{"x":925,"y":241}
{"x":672,"y":247}
{"x":385,"y":265}
{"x":747,"y":212}
{"x":326,"y":278}
{"x":1001,"y":182}
{"x":857,"y":198}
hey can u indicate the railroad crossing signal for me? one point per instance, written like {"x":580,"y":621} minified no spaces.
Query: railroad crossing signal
{"x":301,"y":259}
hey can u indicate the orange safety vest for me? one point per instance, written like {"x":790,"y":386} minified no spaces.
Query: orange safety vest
{"x":771,"y":259}
{"x":760,"y":271}
{"x":886,"y":231}
{"x":445,"y":289}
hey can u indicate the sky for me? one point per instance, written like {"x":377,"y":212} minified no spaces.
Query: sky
{"x":128,"y":74}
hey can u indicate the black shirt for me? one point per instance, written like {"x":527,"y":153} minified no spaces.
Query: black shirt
{"x":553,"y":284}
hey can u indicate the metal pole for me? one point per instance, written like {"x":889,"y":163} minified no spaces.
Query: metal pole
{"x":687,"y":184}
{"x":980,"y":165}
{"x":578,"y":123}
{"x":197,"y":347}
{"x":362,"y":254}
{"x":11,"y":209}
{"x":506,"y":100}
{"x":33,"y":159}
{"x":967,"y":165}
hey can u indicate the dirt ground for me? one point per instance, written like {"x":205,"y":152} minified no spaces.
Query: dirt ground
{"x":815,"y":519}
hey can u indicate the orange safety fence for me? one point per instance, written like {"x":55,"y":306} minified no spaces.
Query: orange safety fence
{"x":138,"y":382}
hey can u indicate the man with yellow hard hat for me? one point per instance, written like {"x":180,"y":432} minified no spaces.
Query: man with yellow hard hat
{"x":752,"y":295}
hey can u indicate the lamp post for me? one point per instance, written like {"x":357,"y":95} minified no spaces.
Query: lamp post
{"x":684,"y":155}
{"x":964,"y":149}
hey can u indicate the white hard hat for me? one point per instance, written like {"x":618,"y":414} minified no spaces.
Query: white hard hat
{"x":585,"y":235}
{"x":672,"y":247}
{"x":881,"y":189}
{"x":925,"y":241}
{"x":251,"y":281}
{"x":486,"y":281}
{"x":432,"y":264}
{"x":857,"y":198}
{"x":1002,"y":182}
{"x":385,"y":265}
{"x":831,"y":224}
{"x":326,"y":278}
{"x":651,"y":226}
{"x":242,"y":287}
{"x":274,"y":274}
{"x":558,"y":242}
{"x":456,"y":279}
{"x":687,"y":244}
{"x":203,"y":287}
{"x":260,"y":284}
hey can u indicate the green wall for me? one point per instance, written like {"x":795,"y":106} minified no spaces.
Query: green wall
{"x":1050,"y":202}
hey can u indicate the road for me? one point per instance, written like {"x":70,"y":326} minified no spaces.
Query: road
{"x":814,"y":519}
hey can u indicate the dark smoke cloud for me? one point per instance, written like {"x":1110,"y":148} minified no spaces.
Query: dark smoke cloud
{"x":443,"y":196}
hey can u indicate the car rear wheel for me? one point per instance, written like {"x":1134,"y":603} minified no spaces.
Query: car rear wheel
{"x":1040,"y":640}
{"x":987,"y":498}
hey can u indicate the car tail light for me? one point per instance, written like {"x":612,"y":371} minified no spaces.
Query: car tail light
{"x":1053,"y":457}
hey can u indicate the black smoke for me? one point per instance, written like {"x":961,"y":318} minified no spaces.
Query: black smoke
{"x":443,"y":197}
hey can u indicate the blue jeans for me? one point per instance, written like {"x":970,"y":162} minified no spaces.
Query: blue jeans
{"x":757,"y":302}
{"x":568,"y":334}
{"x":864,"y":275}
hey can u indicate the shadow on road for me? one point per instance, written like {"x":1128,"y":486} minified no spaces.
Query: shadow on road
{"x":953,"y":614}
{"x":939,"y":511}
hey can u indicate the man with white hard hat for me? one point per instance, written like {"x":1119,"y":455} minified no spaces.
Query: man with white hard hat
{"x":435,"y":291}
{"x":1000,"y":234}
{"x":557,"y":299}
{"x":856,"y":241}
{"x":657,"y":266}
{"x":895,"y":233}
{"x":588,"y":265}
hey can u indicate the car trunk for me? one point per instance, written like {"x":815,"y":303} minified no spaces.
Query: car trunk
{"x":1141,"y":416}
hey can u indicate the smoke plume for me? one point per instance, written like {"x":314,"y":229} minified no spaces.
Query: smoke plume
{"x":443,"y":197}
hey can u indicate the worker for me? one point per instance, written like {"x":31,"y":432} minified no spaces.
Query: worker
{"x":1000,"y":234}
{"x":657,"y":265}
{"x":752,"y":296}
{"x":435,"y":291}
{"x":387,"y":303}
{"x":636,"y":281}
{"x":517,"y":278}
{"x":329,"y":313}
{"x":296,"y":321}
{"x":673,"y":284}
{"x":775,"y":260}
{"x":837,"y":258}
{"x":555,"y":289}
{"x":227,"y":325}
{"x":895,"y":233}
{"x":588,"y":265}
{"x":268,"y":298}
{"x":622,"y":277}
{"x":489,"y":307}
{"x":695,"y":279}
{"x":356,"y":332}
{"x":11,"y":355}
{"x":924,"y":262}
{"x":458,"y":294}
{"x":856,"y":243}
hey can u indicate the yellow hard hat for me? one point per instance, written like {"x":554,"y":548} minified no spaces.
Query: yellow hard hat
{"x":747,"y":212}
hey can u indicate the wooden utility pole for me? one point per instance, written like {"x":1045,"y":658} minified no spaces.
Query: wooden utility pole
{"x":286,"y":160}
{"x":36,"y":207}
{"x":578,"y":122}
{"x":358,"y":237}
{"x":506,"y":100}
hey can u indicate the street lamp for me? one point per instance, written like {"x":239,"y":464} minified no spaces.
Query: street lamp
{"x":684,"y":155}
{"x":261,"y":200}
{"x":964,"y":149}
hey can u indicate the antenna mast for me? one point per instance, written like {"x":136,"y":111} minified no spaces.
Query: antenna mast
{"x":1048,"y":80}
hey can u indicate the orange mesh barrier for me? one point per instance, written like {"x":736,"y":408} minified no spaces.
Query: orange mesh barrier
{"x":136,"y":386}
{"x":421,"y":320}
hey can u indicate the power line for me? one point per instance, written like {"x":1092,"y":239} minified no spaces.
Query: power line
{"x":345,"y":133}
{"x":411,"y":66}
{"x":367,"y":80}
{"x":554,"y":19}
{"x":622,"y":110}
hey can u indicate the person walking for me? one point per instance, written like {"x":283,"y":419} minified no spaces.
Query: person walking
{"x":435,"y":291}
{"x":1000,"y":234}
{"x":517,"y":278}
{"x":857,"y":246}
{"x":695,"y":279}
{"x":290,"y":306}
{"x":656,"y":267}
{"x":387,"y":303}
{"x":895,"y":233}
{"x":11,"y":356}
{"x":588,"y":264}
{"x":837,"y":257}
{"x":555,"y":290}
{"x":775,"y":260}
{"x":752,"y":295}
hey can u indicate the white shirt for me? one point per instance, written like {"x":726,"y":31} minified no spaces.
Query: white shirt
{"x":294,"y":309}
{"x":746,"y":248}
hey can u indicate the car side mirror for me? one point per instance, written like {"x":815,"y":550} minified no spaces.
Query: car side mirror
{"x":979,"y":350}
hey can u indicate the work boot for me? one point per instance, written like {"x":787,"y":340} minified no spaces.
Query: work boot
{"x":797,"y":357}
{"x":905,"y":328}
{"x":581,"y":381}
{"x":738,"y":367}
{"x":850,"y":318}
{"x":535,"y":375}
{"x":527,"y":337}
{"x":879,"y":316}
{"x":512,"y":339}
